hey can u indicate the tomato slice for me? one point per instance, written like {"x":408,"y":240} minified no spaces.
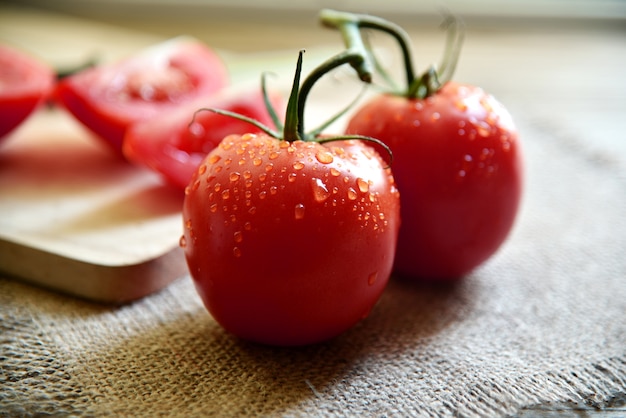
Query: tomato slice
{"x":107,"y":99}
{"x":24,"y":84}
{"x":174,"y":146}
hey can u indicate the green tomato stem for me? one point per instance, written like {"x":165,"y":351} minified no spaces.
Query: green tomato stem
{"x":355,"y":58}
{"x":416,"y":87}
{"x":344,"y":20}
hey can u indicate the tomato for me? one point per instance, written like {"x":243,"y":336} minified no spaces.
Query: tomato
{"x":458,"y":166}
{"x":290,"y":237}
{"x":174,"y":147}
{"x":107,"y":99}
{"x":25,"y":82}
{"x":457,"y":158}
{"x":290,"y":243}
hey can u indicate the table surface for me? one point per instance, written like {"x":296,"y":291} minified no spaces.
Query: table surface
{"x":537,"y":331}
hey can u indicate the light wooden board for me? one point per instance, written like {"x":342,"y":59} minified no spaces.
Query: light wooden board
{"x":77,"y":218}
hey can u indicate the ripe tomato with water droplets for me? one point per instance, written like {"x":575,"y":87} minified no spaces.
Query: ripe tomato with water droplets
{"x":458,"y":165}
{"x":109,"y":98}
{"x":290,"y":243}
{"x":457,"y":156}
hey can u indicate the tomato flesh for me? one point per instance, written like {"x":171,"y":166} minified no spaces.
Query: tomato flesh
{"x":108,"y":99}
{"x":290,"y":243}
{"x":25,"y":82}
{"x":174,"y":146}
{"x":458,"y":166}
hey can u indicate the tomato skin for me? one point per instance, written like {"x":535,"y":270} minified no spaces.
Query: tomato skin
{"x":285,"y":246}
{"x":25,"y":83}
{"x":458,"y":166}
{"x":174,"y":147}
{"x":107,"y":99}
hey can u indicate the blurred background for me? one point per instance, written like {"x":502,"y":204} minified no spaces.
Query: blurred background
{"x":555,"y":63}
{"x":203,"y":17}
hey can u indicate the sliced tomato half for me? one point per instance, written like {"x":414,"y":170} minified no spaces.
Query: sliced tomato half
{"x":175,"y":144}
{"x":107,"y":99}
{"x":25,"y":82}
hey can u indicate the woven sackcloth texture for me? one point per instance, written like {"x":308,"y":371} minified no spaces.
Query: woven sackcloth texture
{"x":541,"y":323}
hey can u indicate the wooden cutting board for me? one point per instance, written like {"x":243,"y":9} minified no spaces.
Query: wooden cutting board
{"x":76,"y":218}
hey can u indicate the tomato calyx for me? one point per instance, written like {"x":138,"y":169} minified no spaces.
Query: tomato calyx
{"x":417,"y":87}
{"x":293,"y":127}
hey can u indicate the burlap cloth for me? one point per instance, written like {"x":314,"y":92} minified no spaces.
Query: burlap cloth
{"x":542,"y":323}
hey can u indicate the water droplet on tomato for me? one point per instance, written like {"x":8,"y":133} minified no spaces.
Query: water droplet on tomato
{"x":418,"y":105}
{"x":483,"y":129}
{"x":247,"y":226}
{"x":238,"y":236}
{"x":298,"y":165}
{"x":334,"y":172}
{"x":292,"y":177}
{"x":352,"y":194}
{"x":269,"y":167}
{"x":182,"y":243}
{"x":262,"y":176}
{"x":416,"y":122}
{"x":226,"y":194}
{"x":371,"y":279}
{"x":273,"y":155}
{"x":202,"y":169}
{"x":320,"y":191}
{"x":257,"y":161}
{"x":236,"y":252}
{"x":213,"y":207}
{"x":195,"y":185}
{"x":299,"y":211}
{"x":435,"y":116}
{"x":273,"y":190}
{"x":459,"y":104}
{"x":234,"y":176}
{"x":363,"y":185}
{"x":324,"y":157}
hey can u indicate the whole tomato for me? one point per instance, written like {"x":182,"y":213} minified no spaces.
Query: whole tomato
{"x":25,"y":83}
{"x":175,"y":144}
{"x":107,"y":99}
{"x":290,"y":239}
{"x":457,"y":162}
{"x":458,"y":166}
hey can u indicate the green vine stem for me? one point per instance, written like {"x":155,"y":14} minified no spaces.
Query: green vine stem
{"x":416,"y":87}
{"x":292,"y":130}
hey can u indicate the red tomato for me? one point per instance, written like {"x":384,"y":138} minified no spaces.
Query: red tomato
{"x":24,"y":84}
{"x":175,"y":147}
{"x":458,"y":166}
{"x":108,"y":99}
{"x":290,"y":243}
